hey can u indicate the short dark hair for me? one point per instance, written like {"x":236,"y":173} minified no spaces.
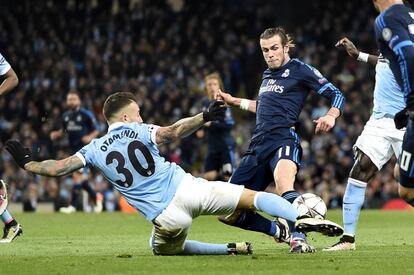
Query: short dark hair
{"x":74,"y":92}
{"x":284,"y":36}
{"x":116,"y":102}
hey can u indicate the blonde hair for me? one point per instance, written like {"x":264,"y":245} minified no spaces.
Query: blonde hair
{"x":215,"y":76}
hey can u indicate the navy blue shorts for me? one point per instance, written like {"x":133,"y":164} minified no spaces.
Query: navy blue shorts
{"x":220,"y":160}
{"x":406,"y":159}
{"x":256,"y":168}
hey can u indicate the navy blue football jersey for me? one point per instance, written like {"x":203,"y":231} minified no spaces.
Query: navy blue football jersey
{"x":77,"y":124}
{"x":283,"y":93}
{"x":394,"y":30}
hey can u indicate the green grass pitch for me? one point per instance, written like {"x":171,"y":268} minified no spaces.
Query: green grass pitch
{"x":115,"y":243}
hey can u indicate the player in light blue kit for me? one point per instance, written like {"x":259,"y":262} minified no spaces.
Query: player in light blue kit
{"x":379,"y":140}
{"x":12,"y":228}
{"x":167,"y":196}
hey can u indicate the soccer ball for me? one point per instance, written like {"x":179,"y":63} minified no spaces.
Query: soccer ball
{"x":310,"y":205}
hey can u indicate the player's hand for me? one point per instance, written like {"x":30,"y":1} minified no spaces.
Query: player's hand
{"x":217,"y":96}
{"x":216,"y":111}
{"x":324,"y":124}
{"x":21,"y":155}
{"x":349,"y":47}
{"x":228,"y":98}
{"x":401,"y":119}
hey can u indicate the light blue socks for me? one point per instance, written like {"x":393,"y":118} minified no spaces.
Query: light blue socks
{"x":353,"y":200}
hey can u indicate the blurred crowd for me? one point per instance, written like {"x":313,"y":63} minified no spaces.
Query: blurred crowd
{"x":161,"y":51}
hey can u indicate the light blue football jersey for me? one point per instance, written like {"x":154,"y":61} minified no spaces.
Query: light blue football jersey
{"x":388,"y":97}
{"x":4,"y":65}
{"x":129,"y":159}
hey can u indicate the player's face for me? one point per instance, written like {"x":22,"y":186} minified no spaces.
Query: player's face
{"x":131,"y":113}
{"x":73,"y":101}
{"x":274,"y":52}
{"x":212,"y":87}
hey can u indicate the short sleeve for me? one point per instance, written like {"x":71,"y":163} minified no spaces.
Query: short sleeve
{"x":152,"y":129}
{"x":4,"y":65}
{"x":86,"y":154}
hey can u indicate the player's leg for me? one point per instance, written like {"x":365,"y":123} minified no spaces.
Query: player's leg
{"x":276,"y":206}
{"x":361,"y":173}
{"x":373,"y":149}
{"x":257,"y":177}
{"x":228,"y":164}
{"x":220,"y":197}
{"x":172,"y":225}
{"x":284,"y":175}
{"x":406,"y":162}
{"x":12,"y":228}
{"x":211,"y":166}
{"x":96,"y":197}
{"x":76,"y":191}
{"x":284,"y":166}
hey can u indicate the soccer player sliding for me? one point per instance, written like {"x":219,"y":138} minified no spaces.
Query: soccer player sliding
{"x":167,"y":196}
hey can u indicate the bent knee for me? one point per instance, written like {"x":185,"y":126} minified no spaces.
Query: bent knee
{"x":232,"y":218}
{"x":168,"y":242}
{"x":167,"y":251}
{"x":363,"y":169}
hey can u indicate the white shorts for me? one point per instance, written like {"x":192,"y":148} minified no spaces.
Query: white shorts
{"x":194,"y":197}
{"x":379,"y":140}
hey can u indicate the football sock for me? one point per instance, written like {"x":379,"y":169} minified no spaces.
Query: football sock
{"x":88,"y":188}
{"x":353,"y":200}
{"x":6,"y":217}
{"x":253,"y":221}
{"x":75,"y":194}
{"x":199,"y":248}
{"x":290,"y":196}
{"x":275,"y":206}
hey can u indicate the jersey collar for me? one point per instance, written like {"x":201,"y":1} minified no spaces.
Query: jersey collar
{"x":115,"y":125}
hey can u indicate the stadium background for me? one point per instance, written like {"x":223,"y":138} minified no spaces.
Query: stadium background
{"x":161,"y":50}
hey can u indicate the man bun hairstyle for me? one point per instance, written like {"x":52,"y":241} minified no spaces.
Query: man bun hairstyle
{"x":284,"y":36}
{"x":116,"y":102}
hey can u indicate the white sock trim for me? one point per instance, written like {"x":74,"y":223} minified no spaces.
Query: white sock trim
{"x":255,"y":200}
{"x":357,"y":183}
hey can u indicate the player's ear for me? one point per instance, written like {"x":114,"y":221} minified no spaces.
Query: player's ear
{"x":125,"y":118}
{"x":286,"y":49}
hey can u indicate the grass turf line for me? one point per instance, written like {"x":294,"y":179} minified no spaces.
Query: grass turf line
{"x":115,"y":243}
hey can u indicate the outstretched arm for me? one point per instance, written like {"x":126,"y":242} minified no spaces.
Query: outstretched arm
{"x":186,"y":126}
{"x":55,"y":168}
{"x":243,"y":103}
{"x":52,"y":168}
{"x":355,"y":53}
{"x":180,"y":129}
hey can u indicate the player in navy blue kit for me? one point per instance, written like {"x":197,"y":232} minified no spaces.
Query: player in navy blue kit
{"x":275,"y":153}
{"x":220,"y":160}
{"x":129,"y":158}
{"x":80,"y":126}
{"x":394,"y":30}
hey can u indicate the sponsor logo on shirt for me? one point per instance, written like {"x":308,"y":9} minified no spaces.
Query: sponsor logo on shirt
{"x":271,"y":86}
